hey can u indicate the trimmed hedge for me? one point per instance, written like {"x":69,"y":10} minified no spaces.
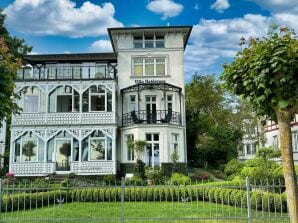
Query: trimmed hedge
{"x":227,"y":196}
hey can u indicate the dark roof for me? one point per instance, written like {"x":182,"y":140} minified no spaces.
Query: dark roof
{"x":150,"y":28}
{"x":77,"y":57}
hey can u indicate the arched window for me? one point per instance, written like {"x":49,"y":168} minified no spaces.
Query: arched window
{"x":32,"y":100}
{"x":64,"y":99}
{"x":29,"y":148}
{"x":97,"y":98}
{"x":97,"y":146}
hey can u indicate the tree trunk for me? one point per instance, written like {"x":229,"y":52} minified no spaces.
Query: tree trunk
{"x":284,"y":119}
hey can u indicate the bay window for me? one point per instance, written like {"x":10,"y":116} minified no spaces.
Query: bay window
{"x":149,"y":66}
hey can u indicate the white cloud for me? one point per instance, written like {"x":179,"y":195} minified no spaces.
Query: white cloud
{"x":276,"y":6}
{"x":220,"y":5}
{"x":60,"y":17}
{"x":101,"y":46}
{"x":213,"y":42}
{"x":166,"y":8}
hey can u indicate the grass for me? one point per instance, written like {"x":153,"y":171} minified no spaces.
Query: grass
{"x":139,"y":212}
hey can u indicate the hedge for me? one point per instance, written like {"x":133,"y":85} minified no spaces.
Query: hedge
{"x":227,"y":196}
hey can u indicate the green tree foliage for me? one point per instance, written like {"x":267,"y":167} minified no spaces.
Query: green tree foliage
{"x":213,"y":135}
{"x":268,"y":153}
{"x":233,"y":168}
{"x":28,"y":149}
{"x":12,"y":51}
{"x":265,"y":74}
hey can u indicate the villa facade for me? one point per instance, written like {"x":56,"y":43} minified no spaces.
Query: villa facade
{"x":80,"y":109}
{"x":270,"y":133}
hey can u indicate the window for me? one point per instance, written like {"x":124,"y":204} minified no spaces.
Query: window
{"x":97,"y":98}
{"x":295,"y":140}
{"x":64,"y":99}
{"x":175,"y":143}
{"x":149,"y":41}
{"x":97,"y":146}
{"x":100,"y":71}
{"x":28,"y":148}
{"x":132,"y":103}
{"x":130,"y":153}
{"x":275,"y":143}
{"x":30,"y":97}
{"x":149,"y":66}
{"x":152,"y":150}
{"x":170,"y":103}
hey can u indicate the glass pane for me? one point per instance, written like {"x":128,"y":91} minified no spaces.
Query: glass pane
{"x":97,"y":149}
{"x":50,"y":151}
{"x":138,"y":70}
{"x":76,"y":105}
{"x":29,"y":150}
{"x":85,"y":101}
{"x":149,"y":69}
{"x":63,"y":151}
{"x":42,"y":101}
{"x":156,"y":154}
{"x":149,"y":44}
{"x":156,"y":137}
{"x":138,"y":43}
{"x":160,"y":44}
{"x":75,"y":150}
{"x":160,"y":60}
{"x":40,"y":150}
{"x":64,"y":103}
{"x":160,"y":69}
{"x":148,"y":160}
{"x":138,"y":61}
{"x":97,"y":103}
{"x":76,"y":71}
{"x":100,"y":71}
{"x":85,"y":150}
{"x":109,"y":148}
{"x":17,"y":151}
{"x":148,"y":137}
{"x":97,"y":89}
{"x":28,"y":73}
{"x":109,"y":102}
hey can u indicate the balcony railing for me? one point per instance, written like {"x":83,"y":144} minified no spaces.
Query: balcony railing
{"x":151,"y":117}
{"x":66,"y":73}
{"x":64,"y":118}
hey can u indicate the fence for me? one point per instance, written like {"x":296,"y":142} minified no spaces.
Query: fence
{"x":81,"y":201}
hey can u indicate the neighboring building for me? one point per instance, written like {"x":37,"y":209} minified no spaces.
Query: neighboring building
{"x":270,"y":132}
{"x":2,"y":141}
{"x":80,"y":109}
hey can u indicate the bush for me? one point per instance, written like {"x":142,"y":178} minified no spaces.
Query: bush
{"x":233,"y":167}
{"x":209,"y":192}
{"x":168,"y":168}
{"x":179,"y":179}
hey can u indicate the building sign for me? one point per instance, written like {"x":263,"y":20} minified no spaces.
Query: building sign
{"x":150,"y":81}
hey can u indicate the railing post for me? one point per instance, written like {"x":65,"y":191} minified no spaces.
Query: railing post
{"x":248,"y":200}
{"x":122,"y":199}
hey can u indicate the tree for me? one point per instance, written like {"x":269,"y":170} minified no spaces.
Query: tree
{"x":209,"y":113}
{"x":12,"y":51}
{"x":265,"y":74}
{"x":28,"y":149}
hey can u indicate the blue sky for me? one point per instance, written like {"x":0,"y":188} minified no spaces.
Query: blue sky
{"x":69,"y":26}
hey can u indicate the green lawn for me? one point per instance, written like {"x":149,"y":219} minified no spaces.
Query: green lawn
{"x":133,"y":211}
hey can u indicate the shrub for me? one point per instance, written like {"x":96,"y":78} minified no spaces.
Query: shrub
{"x":233,"y":167}
{"x":179,"y":179}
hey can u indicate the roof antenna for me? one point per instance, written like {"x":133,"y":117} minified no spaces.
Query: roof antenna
{"x":168,"y":24}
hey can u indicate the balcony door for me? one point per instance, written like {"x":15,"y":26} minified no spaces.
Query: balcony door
{"x":151,"y":109}
{"x":63,"y":154}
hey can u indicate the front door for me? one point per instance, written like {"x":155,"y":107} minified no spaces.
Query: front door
{"x":63,"y":154}
{"x":151,"y":109}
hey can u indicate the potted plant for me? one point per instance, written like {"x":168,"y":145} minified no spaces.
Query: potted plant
{"x":152,"y":174}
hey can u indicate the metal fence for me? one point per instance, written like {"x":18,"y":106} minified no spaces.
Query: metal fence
{"x":81,"y":201}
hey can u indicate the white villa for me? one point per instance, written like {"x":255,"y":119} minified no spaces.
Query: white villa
{"x":80,"y":109}
{"x":271,"y":135}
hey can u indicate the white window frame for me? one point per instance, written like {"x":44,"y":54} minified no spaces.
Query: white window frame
{"x":155,"y":58}
{"x":152,"y":142}
{"x":143,"y":41}
{"x":105,"y":148}
{"x":295,"y":141}
{"x":32,"y":95}
{"x":21,"y":151}
{"x":98,"y":94}
{"x":55,"y":144}
{"x":175,"y":143}
{"x":130,"y":154}
{"x":129,"y":105}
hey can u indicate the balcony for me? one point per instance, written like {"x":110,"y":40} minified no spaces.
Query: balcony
{"x":67,"y":72}
{"x":64,"y":118}
{"x":151,"y":117}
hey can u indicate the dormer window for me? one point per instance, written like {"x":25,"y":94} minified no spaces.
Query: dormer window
{"x":149,"y":41}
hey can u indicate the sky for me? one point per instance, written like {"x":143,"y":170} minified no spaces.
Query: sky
{"x":78,"y":26}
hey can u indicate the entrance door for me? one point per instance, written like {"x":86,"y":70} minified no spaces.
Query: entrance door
{"x":151,"y":109}
{"x":63,"y":154}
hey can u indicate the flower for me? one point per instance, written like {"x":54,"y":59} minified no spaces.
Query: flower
{"x":10,"y":174}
